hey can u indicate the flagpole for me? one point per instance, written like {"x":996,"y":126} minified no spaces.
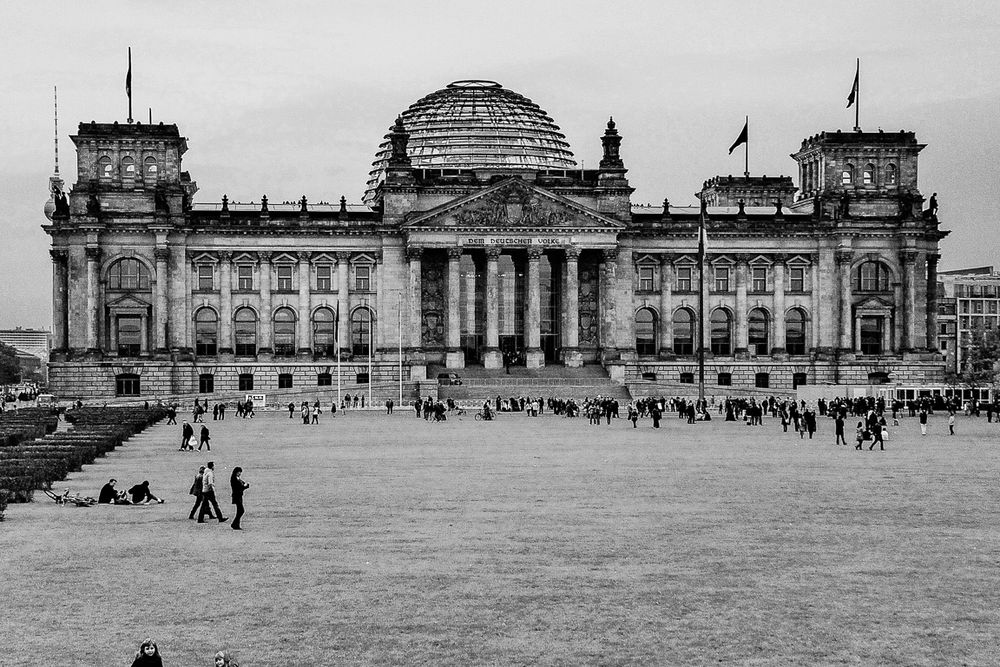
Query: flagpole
{"x":399,"y":332}
{"x":129,"y":85}
{"x":746,"y":150}
{"x":857,"y":100}
{"x":701,"y":302}
{"x":370,"y":348}
{"x":336,"y":329}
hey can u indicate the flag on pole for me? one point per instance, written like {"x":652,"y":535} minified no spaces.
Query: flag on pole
{"x":742,"y":139}
{"x":854,"y":88}
{"x":128,"y":76}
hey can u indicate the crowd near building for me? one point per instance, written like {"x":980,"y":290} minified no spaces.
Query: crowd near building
{"x":481,"y":241}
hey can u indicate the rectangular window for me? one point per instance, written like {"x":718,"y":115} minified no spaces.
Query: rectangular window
{"x":362,"y":278}
{"x":205,"y":281}
{"x":324,"y":380}
{"x":127,"y":385}
{"x":796,"y":279}
{"x":206,"y":383}
{"x":758,"y":279}
{"x":284,"y":278}
{"x":361,"y":378}
{"x":284,"y":380}
{"x":725,"y":380}
{"x":324,"y":278}
{"x":977,"y":307}
{"x":721,"y":279}
{"x":246,"y":382}
{"x":645,"y":279}
{"x":129,"y":335}
{"x":944,"y":345}
{"x":244,"y":278}
{"x":687,"y":378}
{"x":799,"y":380}
{"x":762,"y":380}
{"x":684,"y":279}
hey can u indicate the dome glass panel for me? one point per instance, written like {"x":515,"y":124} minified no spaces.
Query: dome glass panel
{"x":476,"y":125}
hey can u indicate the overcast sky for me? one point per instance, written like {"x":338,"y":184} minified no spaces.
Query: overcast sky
{"x":293,"y":98}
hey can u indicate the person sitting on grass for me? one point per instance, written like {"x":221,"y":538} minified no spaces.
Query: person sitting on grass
{"x":140,"y":494}
{"x":225,"y":659}
{"x":148,"y":655}
{"x":111,"y":496}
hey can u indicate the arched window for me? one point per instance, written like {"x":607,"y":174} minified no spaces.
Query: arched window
{"x":104,"y":168}
{"x":284,"y":332}
{"x":645,"y":331}
{"x":206,"y":332}
{"x":128,"y":274}
{"x":890,"y":174}
{"x":873,"y":277}
{"x":151,"y":168}
{"x":361,"y":331}
{"x":795,"y":331}
{"x":683,"y":324}
{"x":128,"y":167}
{"x":847,"y":175}
{"x":757,"y":332}
{"x":868,"y":176}
{"x":246,"y":333}
{"x":722,"y":332}
{"x":325,"y":332}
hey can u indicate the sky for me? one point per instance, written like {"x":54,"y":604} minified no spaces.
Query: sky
{"x":292,"y":98}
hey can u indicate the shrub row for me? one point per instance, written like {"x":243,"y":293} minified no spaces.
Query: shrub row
{"x":38,"y":462}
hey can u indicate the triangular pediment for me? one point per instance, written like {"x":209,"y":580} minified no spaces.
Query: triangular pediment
{"x":512,"y":204}
{"x":873,"y":303}
{"x":128,"y":301}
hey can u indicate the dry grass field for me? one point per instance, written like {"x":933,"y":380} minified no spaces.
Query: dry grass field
{"x":393,"y":541}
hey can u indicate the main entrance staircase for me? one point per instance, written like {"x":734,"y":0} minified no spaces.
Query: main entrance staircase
{"x":556,"y":381}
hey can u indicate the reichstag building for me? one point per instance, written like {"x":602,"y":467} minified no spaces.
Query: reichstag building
{"x":481,"y":241}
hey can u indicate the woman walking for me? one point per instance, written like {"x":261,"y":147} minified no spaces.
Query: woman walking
{"x":239,"y":486}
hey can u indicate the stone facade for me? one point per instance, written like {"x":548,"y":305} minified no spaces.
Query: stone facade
{"x":153,"y":294}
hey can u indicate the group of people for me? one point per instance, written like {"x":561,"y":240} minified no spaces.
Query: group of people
{"x":137,"y":495}
{"x":205,"y":501}
{"x":309,"y":415}
{"x":148,"y":655}
{"x":187,"y":438}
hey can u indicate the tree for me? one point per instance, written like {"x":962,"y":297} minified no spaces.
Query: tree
{"x":10,"y":368}
{"x":980,"y":367}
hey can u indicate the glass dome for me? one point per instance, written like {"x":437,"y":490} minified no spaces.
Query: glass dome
{"x":476,"y":125}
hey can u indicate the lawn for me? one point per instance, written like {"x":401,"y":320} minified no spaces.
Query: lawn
{"x":372,"y":539}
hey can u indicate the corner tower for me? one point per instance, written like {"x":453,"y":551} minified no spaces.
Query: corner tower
{"x":875,"y":172}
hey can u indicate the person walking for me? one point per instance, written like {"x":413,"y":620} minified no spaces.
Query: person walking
{"x":951,"y":422}
{"x":839,"y":429}
{"x":923,"y":421}
{"x":291,"y":410}
{"x":239,"y":486}
{"x":198,"y":495}
{"x":208,"y":491}
{"x":187,"y":432}
{"x":203,"y":439}
{"x":315,"y":413}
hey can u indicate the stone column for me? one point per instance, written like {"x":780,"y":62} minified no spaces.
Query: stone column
{"x":454,"y":358}
{"x":93,"y":254}
{"x":161,"y":317}
{"x":844,"y":270}
{"x":266,"y":324}
{"x":226,"y":302}
{"x":303,"y":330}
{"x":932,"y":301}
{"x":666,"y":305}
{"x":816,"y":318}
{"x":60,"y":339}
{"x":571,"y":355}
{"x":492,"y":358}
{"x":380,"y":313}
{"x":606,"y":297}
{"x":177,"y":301}
{"x":908,"y":259}
{"x":414,"y":256}
{"x":343,"y":303}
{"x":534,"y":357}
{"x":778,"y":319}
{"x":741,"y":307}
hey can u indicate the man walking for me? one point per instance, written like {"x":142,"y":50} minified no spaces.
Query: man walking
{"x":187,"y":432}
{"x":208,"y":495}
{"x":839,"y":426}
{"x":203,"y":439}
{"x":923,"y":421}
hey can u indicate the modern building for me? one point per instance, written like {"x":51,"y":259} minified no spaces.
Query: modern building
{"x":974,"y":295}
{"x":481,"y":241}
{"x":30,"y":341}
